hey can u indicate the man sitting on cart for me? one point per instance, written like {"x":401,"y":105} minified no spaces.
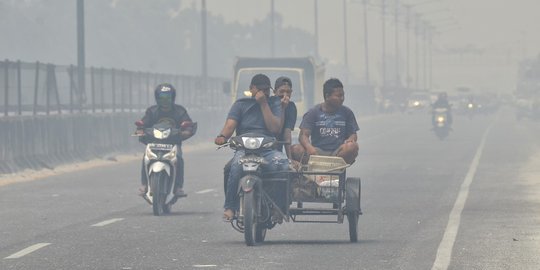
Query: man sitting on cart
{"x":329,"y":128}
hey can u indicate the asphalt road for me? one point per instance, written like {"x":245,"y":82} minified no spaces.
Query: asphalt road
{"x":470,"y":201}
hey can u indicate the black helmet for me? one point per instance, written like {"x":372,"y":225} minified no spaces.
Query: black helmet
{"x":165,"y":95}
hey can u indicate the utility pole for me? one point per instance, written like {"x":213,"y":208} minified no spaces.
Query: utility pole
{"x":316,"y":13}
{"x":417,"y":61}
{"x":80,"y":50}
{"x":396,"y":17}
{"x":272,"y":27}
{"x":383,"y":63}
{"x":366,"y":49}
{"x":407,"y":58}
{"x":204,"y":56}
{"x":345,"y":49}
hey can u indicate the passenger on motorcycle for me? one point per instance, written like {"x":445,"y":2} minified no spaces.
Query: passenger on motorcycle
{"x":176,"y":115}
{"x":259,"y":114}
{"x":283,"y":90}
{"x":442,"y":102}
{"x":329,"y":128}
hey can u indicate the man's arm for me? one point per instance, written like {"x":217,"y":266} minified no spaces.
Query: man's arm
{"x":226,"y":132}
{"x":272,"y":122}
{"x":288,"y":138}
{"x":352,"y":138}
{"x":305,"y":142}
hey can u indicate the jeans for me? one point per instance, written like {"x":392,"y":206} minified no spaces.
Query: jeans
{"x":277,"y":161}
{"x":178,"y":181}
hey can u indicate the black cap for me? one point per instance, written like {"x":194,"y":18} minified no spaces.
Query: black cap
{"x":261,"y":81}
{"x":282,"y":81}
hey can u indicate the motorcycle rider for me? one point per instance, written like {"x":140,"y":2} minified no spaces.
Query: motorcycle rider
{"x":442,"y":102}
{"x":166,"y":110}
{"x":259,"y":114}
{"x":283,"y":90}
{"x":329,"y":128}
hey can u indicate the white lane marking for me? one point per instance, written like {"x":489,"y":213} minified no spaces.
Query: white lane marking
{"x":204,"y":191}
{"x":27,"y":250}
{"x":204,"y":265}
{"x":444,"y":252}
{"x":107,"y":222}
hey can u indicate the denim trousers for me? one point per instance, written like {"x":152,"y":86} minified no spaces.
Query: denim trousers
{"x":276,"y":161}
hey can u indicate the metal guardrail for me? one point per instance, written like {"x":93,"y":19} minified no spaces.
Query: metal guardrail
{"x":44,"y":89}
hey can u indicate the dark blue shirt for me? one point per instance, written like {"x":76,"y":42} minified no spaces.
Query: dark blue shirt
{"x":248,"y":114}
{"x":329,"y":130}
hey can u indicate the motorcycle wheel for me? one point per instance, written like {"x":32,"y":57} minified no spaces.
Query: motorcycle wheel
{"x":260,"y":233}
{"x":250,"y":218}
{"x":158,"y":197}
{"x":352,"y":199}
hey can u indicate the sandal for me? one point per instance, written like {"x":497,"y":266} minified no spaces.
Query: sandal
{"x":228,"y":215}
{"x":142,"y":190}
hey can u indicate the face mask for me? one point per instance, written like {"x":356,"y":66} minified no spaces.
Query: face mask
{"x":164,"y":100}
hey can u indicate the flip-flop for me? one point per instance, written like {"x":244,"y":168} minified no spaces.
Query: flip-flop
{"x":228,"y":218}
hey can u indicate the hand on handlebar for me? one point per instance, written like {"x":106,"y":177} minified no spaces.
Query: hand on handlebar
{"x":220,"y":140}
{"x":139,"y":132}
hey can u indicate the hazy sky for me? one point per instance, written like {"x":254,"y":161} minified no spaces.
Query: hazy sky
{"x":502,"y":30}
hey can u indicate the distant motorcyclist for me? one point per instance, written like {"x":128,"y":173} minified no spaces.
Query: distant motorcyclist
{"x":177,"y":117}
{"x":442,"y":102}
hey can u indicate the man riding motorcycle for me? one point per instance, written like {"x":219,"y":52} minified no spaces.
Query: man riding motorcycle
{"x":176,"y":115}
{"x":259,"y":114}
{"x":442,"y":102}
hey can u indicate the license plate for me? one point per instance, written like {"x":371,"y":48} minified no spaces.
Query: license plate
{"x":161,"y":146}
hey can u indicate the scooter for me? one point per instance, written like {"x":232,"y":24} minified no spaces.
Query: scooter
{"x":160,"y":166}
{"x":441,"y":127}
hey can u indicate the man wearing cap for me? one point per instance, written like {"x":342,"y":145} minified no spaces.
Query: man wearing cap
{"x":259,"y":114}
{"x":283,"y":90}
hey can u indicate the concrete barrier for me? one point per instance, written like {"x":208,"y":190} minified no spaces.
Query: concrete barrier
{"x":34,"y":142}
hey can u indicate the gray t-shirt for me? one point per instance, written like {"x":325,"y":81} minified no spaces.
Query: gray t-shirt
{"x":329,"y":130}
{"x":247,"y":112}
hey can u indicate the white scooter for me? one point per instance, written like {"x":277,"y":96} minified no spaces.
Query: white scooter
{"x":160,"y":165}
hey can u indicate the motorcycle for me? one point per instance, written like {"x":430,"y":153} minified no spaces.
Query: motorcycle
{"x":471,"y":109}
{"x":258,"y":210}
{"x":441,"y":127}
{"x":160,"y":166}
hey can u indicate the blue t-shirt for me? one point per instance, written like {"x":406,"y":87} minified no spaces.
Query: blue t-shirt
{"x":329,"y":130}
{"x":247,"y":112}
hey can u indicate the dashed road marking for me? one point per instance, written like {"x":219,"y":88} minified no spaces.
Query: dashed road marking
{"x":107,"y":222}
{"x":204,"y":265}
{"x":204,"y":191}
{"x":27,"y":251}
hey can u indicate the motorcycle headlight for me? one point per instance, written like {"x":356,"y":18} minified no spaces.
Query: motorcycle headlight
{"x":416,"y":103}
{"x":162,"y":134}
{"x":150,"y":154}
{"x":440,"y":119}
{"x":252,"y":142}
{"x":470,"y":106}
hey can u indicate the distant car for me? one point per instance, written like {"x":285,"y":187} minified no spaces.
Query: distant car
{"x":418,"y":102}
